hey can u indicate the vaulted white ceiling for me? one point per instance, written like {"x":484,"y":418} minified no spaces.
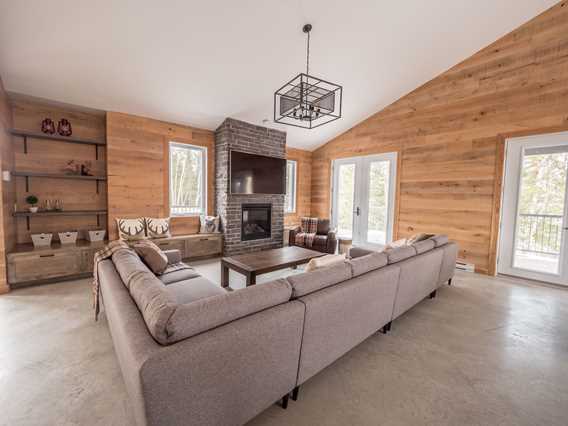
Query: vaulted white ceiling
{"x":197,"y":62}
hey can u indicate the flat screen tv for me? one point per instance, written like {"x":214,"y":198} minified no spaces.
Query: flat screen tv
{"x":257,"y":174}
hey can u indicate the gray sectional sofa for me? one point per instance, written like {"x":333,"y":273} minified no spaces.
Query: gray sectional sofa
{"x":193,"y":354}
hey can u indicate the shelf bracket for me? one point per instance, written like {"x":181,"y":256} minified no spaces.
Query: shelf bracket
{"x":28,"y":222}
{"x":27,"y":184}
{"x":25,"y":144}
{"x":97,"y":184}
{"x":98,"y":220}
{"x":96,"y":152}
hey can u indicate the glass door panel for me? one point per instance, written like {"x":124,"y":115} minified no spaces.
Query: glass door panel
{"x":538,"y":236}
{"x":345,"y":199}
{"x":378,"y":212}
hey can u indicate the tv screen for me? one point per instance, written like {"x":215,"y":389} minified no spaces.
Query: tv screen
{"x":257,"y":174}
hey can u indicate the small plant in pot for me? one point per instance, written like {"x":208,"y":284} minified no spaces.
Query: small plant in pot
{"x":32,"y":200}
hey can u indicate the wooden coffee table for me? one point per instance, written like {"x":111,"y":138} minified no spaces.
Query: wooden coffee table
{"x":261,"y":262}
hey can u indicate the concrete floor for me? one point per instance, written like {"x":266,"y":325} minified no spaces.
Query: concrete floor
{"x":486,"y":351}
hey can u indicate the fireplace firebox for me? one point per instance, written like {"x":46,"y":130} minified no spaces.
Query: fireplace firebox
{"x":256,"y":221}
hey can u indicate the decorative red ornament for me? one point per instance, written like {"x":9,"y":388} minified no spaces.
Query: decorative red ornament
{"x":64,"y":127}
{"x":48,"y":126}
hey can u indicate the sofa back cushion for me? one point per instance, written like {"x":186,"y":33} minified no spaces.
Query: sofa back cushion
{"x":196,"y":317}
{"x":309,"y":282}
{"x":152,"y":256}
{"x":399,"y":254}
{"x":128,"y":264}
{"x":424,"y":246}
{"x":363,"y":264}
{"x":323,"y":226}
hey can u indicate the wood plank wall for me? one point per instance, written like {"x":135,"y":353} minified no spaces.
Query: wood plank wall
{"x":52,"y":156}
{"x":304,"y":185}
{"x":449,"y":135}
{"x":7,"y":189}
{"x":138,"y":168}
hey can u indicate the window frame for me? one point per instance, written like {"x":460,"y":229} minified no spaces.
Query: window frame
{"x":294,"y":188}
{"x":203,"y":203}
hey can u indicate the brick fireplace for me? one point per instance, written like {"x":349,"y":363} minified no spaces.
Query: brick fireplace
{"x":254,"y":234}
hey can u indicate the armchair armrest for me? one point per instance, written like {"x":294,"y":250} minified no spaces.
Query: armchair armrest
{"x":174,"y":256}
{"x":292,"y":235}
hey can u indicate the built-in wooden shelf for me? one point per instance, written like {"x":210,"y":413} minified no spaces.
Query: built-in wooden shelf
{"x":58,"y":175}
{"x":61,"y":213}
{"x":45,"y":136}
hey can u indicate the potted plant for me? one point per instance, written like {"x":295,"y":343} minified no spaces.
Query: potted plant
{"x":32,"y":200}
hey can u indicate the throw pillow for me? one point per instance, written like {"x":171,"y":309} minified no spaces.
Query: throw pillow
{"x":418,"y":237}
{"x":324,"y":261}
{"x":158,"y":227}
{"x":209,"y":224}
{"x":398,"y":243}
{"x":131,"y":229}
{"x":152,"y":256}
{"x":309,"y":225}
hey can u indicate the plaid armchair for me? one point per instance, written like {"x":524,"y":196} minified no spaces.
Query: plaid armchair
{"x":324,"y":240}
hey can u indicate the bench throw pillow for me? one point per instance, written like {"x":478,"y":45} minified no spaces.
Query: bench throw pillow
{"x":158,"y":227}
{"x":209,"y":224}
{"x":152,"y":256}
{"x":131,"y":229}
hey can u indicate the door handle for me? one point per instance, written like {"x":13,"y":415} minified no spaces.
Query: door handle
{"x":357,"y":211}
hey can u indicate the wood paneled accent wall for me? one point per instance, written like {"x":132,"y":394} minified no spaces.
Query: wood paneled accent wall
{"x":7,"y":189}
{"x":304,"y":185}
{"x":52,"y":157}
{"x":449,"y":134}
{"x":138,"y":168}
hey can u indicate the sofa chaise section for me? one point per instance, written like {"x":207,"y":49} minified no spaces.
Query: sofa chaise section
{"x":220,"y":359}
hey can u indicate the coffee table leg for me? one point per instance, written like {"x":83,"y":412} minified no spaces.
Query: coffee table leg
{"x":251,"y":278}
{"x":224,"y":276}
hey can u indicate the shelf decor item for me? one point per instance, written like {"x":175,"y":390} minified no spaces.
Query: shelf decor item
{"x":69,"y":237}
{"x":64,"y":127}
{"x":307,"y":101}
{"x":32,"y":200}
{"x":48,"y":126}
{"x":72,"y":168}
{"x":97,"y":235}
{"x":58,"y":205}
{"x":41,"y":240}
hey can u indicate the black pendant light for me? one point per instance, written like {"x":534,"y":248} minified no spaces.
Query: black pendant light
{"x":307,"y":101}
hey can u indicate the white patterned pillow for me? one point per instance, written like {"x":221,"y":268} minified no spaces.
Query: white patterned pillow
{"x":158,"y":227}
{"x":209,"y":224}
{"x":131,"y":229}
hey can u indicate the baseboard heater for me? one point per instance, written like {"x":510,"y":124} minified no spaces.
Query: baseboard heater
{"x":467,"y":267}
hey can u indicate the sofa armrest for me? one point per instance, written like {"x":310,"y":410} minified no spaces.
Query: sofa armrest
{"x":331,"y":242}
{"x":174,"y":256}
{"x":292,"y":235}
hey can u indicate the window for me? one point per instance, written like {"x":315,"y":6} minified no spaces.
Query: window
{"x":188,"y":179}
{"x":291,"y":167}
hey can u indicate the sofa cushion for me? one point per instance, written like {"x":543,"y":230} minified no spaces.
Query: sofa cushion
{"x":173,"y":274}
{"x":154,"y":302}
{"x":440,"y":239}
{"x":193,"y":289}
{"x":369,"y":262}
{"x":424,"y":246}
{"x":128,"y":264}
{"x":152,"y":256}
{"x":309,"y":282}
{"x":355,"y":252}
{"x":323,"y":261}
{"x":400,"y":253}
{"x":204,"y":314}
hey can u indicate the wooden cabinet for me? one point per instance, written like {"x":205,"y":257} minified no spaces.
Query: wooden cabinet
{"x":27,"y":265}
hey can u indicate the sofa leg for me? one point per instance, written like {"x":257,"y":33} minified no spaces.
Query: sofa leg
{"x":450,"y":281}
{"x":386,"y":328}
{"x":285,"y":401}
{"x":433,"y":294}
{"x":295,"y":393}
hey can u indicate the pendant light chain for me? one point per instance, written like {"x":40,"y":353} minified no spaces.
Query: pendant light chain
{"x":308,"y":56}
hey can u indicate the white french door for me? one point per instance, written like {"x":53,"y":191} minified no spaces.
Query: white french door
{"x":363,"y":190}
{"x":534,"y":218}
